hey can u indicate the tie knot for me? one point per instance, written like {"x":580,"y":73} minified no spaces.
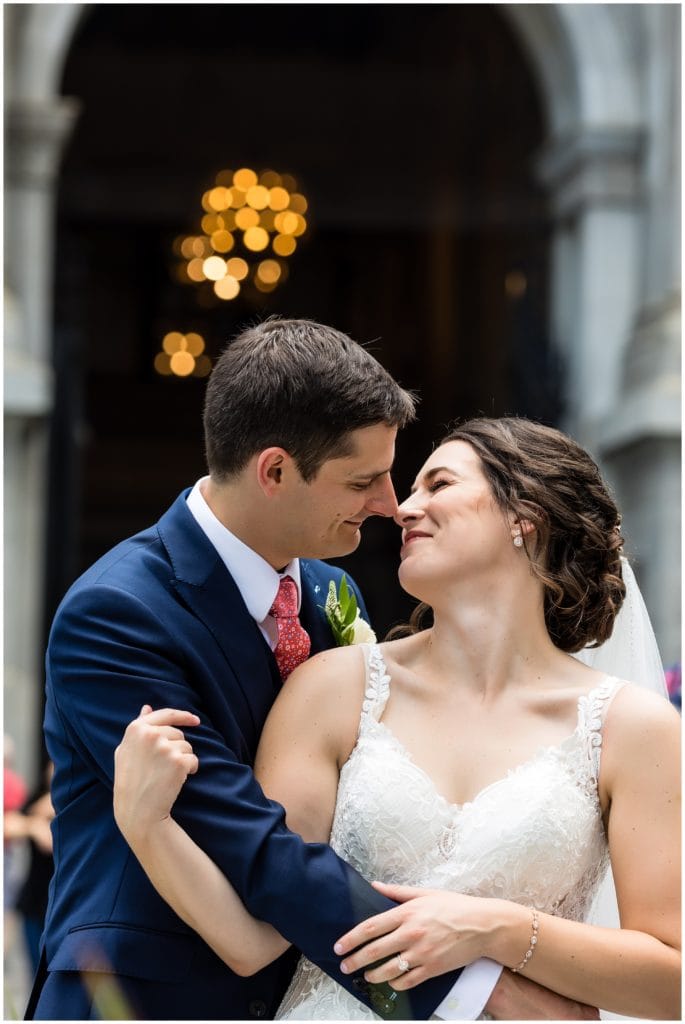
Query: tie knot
{"x":285,"y":605}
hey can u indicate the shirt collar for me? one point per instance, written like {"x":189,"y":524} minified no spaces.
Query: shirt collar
{"x":256,"y":580}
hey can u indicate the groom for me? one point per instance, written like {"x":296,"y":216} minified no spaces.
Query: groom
{"x":300,"y":425}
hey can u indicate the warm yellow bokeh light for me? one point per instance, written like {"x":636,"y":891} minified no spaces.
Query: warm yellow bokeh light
{"x":301,"y":225}
{"x":182,"y":364}
{"x":237,"y":268}
{"x":257,"y":197}
{"x":201,"y":247}
{"x":220,"y":198}
{"x":264,"y":286}
{"x":195,"y":271}
{"x":298,"y":203}
{"x":227,"y":288}
{"x":163,"y":364}
{"x":269,"y":271}
{"x":211,"y":222}
{"x":187,"y":247}
{"x":244,"y":179}
{"x":173,"y":342}
{"x":214,"y":268}
{"x":243,"y":211}
{"x":286,"y":222}
{"x":269,"y":179}
{"x":246,"y":218}
{"x":284,"y":245}
{"x":515,"y":284}
{"x":195,"y":343}
{"x":256,"y":239}
{"x":222,"y":241}
{"x":278,"y":198}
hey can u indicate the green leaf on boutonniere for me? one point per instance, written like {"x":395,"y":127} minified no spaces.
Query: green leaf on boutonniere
{"x":342,"y":612}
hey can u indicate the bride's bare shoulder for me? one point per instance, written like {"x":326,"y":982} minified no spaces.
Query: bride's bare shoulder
{"x":327,"y":679}
{"x":325,"y":692}
{"x":641,"y":730}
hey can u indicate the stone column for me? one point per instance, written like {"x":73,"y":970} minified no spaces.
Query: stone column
{"x":641,"y":435}
{"x":592,"y":178}
{"x":35,"y":134}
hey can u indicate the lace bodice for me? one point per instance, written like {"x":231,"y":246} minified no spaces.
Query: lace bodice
{"x":535,"y":836}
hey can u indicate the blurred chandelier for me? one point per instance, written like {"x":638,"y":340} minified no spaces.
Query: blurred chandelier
{"x":251,"y":225}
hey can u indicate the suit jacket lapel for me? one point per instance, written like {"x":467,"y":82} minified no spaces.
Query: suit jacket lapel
{"x":206,"y":586}
{"x":312,"y":616}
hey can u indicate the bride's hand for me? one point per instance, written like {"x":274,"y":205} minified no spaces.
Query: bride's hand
{"x":433,"y":931}
{"x":151,"y":764}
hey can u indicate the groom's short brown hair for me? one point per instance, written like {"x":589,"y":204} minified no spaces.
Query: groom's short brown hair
{"x":300,"y":386}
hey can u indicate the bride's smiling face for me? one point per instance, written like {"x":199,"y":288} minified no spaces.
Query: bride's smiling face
{"x":452,"y":528}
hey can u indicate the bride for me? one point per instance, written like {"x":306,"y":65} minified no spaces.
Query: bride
{"x":473,"y":757}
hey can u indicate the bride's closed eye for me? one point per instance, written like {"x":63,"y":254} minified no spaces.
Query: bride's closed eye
{"x":435,"y":485}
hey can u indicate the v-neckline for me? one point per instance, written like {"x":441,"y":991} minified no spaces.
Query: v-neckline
{"x":453,"y":806}
{"x":380,"y":672}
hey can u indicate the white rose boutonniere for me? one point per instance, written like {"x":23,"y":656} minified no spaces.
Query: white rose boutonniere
{"x":342,"y":612}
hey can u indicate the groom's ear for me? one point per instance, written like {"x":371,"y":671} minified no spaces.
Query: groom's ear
{"x":271,"y":464}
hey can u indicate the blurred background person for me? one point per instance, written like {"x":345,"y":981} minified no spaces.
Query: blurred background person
{"x":32,"y":899}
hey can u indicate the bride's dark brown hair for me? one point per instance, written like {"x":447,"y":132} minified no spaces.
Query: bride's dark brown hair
{"x":539,"y":474}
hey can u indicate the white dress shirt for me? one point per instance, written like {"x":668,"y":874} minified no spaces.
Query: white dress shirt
{"x":258,"y":583}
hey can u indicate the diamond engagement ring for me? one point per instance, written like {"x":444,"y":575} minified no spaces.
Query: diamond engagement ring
{"x":403,"y":964}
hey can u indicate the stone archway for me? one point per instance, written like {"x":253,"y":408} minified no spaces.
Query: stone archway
{"x":603,"y":75}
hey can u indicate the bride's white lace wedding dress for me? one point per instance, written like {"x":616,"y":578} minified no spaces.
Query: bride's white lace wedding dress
{"x":536,"y":836}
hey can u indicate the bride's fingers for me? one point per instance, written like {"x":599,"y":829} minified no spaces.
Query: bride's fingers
{"x":168,"y":716}
{"x":189,"y":763}
{"x":362,"y":933}
{"x":399,"y":893}
{"x":167,"y":732}
{"x":375,"y":952}
{"x":391,"y":972}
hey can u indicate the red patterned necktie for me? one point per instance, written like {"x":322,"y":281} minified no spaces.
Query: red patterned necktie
{"x":293,"y":641}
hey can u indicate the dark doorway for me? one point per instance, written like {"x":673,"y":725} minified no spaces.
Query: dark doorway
{"x":411,"y":129}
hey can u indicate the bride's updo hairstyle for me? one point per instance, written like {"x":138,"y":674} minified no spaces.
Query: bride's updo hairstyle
{"x":539,"y":474}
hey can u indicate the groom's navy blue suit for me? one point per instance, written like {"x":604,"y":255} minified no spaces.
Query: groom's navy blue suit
{"x":159,"y":620}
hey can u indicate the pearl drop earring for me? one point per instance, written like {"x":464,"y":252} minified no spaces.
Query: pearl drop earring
{"x":518,"y":540}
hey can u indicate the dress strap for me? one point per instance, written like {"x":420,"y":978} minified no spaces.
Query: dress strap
{"x":592,"y":712}
{"x":377,"y":682}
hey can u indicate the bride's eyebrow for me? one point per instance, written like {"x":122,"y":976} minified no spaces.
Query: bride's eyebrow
{"x":427,"y":477}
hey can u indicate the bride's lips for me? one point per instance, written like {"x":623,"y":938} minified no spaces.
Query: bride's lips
{"x":410,"y":536}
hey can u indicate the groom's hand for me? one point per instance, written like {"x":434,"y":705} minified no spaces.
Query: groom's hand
{"x":517,"y":998}
{"x":151,"y":764}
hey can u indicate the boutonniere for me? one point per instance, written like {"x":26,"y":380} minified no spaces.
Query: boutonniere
{"x":342,"y":612}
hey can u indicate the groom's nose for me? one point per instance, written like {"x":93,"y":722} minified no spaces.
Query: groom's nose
{"x":382,"y":501}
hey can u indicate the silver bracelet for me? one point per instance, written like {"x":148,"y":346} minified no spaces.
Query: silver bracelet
{"x":533,"y":943}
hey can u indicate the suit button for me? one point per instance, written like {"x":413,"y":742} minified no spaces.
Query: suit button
{"x":360,"y":984}
{"x":257,"y":1008}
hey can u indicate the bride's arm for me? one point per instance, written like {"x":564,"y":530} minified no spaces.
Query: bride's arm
{"x":308,"y":729}
{"x":634,"y":970}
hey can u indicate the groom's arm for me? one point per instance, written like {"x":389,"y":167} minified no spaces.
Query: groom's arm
{"x":109,"y":655}
{"x":518,"y":998}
